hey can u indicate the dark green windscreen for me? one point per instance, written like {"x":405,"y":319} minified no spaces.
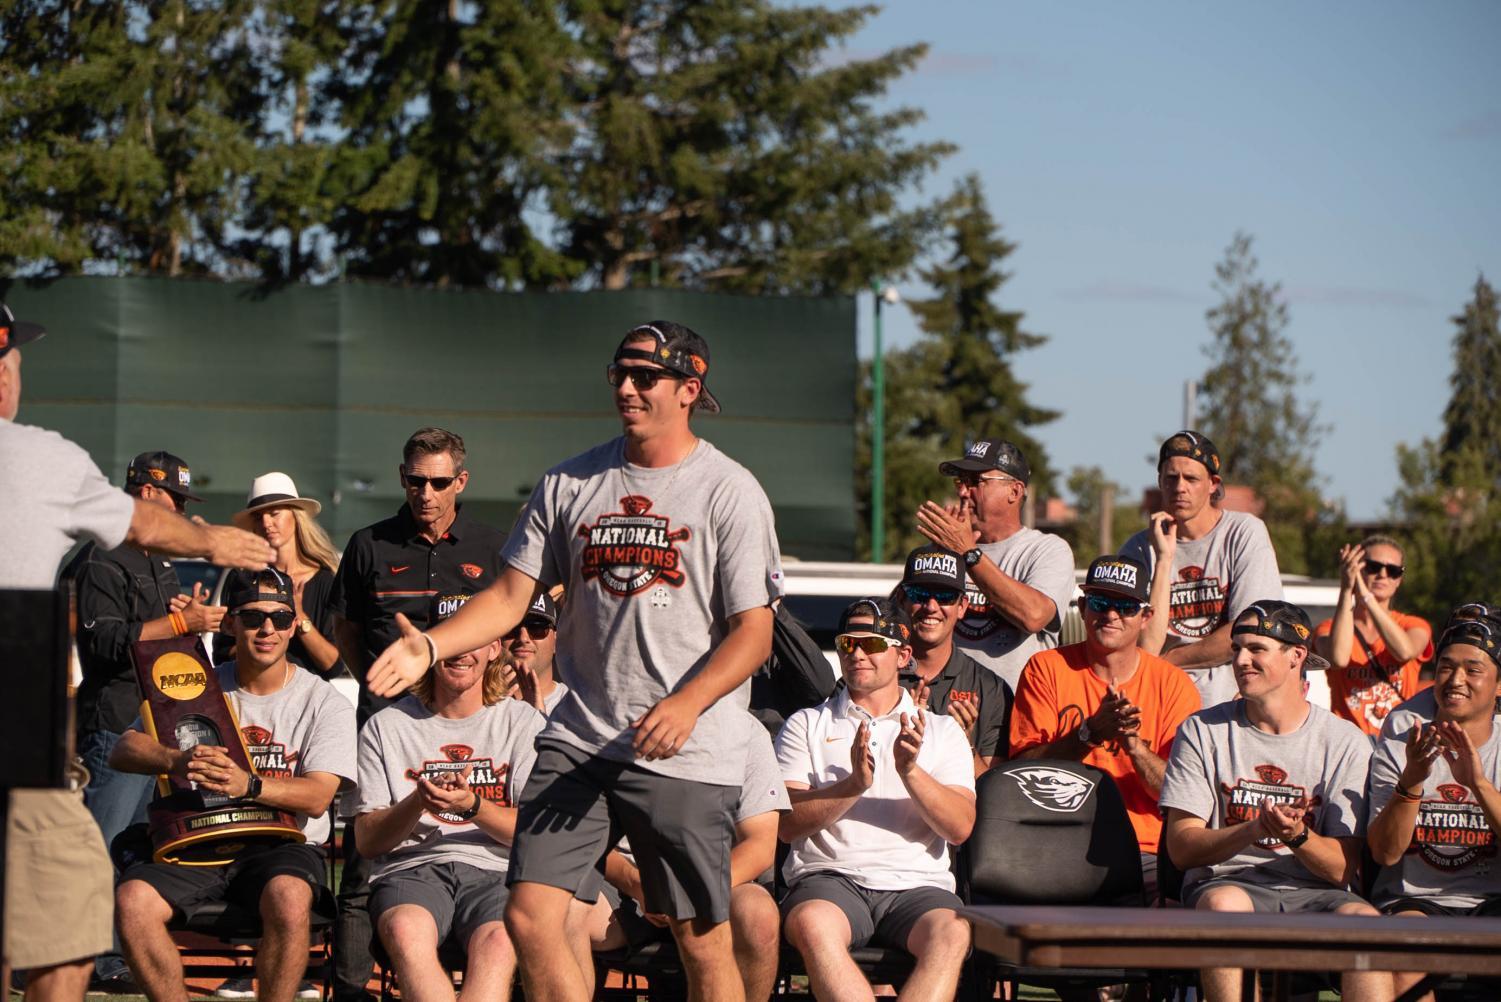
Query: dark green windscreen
{"x":325,"y":383}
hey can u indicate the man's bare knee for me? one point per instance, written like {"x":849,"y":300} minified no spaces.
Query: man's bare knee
{"x":491,"y":944}
{"x":812,"y":924}
{"x":408,"y":930}
{"x":137,"y":903}
{"x":287,"y":901}
{"x":939,"y":932}
{"x":1356,"y":908}
{"x":754,"y":919}
{"x":1225,"y":899}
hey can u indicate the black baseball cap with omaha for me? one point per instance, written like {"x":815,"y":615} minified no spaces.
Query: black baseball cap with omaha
{"x":678,"y":349}
{"x":988,"y":454}
{"x":1123,"y":576}
{"x":934,"y":566}
{"x":14,"y":333}
{"x":163,"y":470}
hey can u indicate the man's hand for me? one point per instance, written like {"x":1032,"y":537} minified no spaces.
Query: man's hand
{"x":966,"y":713}
{"x":1461,"y":754}
{"x":526,"y":687}
{"x":921,"y":693}
{"x":949,"y":527}
{"x":662,"y":731}
{"x":231,"y":547}
{"x":909,"y":742}
{"x":1284,"y":821}
{"x":212,"y":769}
{"x":1164,"y":536}
{"x":1424,"y":746}
{"x":447,"y":794}
{"x":862,"y":762}
{"x":1116,"y":717}
{"x":403,"y":663}
{"x":200,"y":616}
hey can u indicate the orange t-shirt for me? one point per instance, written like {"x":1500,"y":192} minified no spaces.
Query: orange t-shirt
{"x":1057,"y":691}
{"x":1364,"y":695}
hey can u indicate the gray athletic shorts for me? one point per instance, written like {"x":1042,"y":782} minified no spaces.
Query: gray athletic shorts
{"x":885,"y":918}
{"x":1278,"y":899}
{"x":576,"y":806}
{"x":459,"y":897}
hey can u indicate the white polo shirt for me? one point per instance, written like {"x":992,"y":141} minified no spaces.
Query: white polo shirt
{"x":882,"y":842}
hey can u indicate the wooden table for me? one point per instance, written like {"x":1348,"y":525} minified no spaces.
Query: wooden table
{"x":1177,"y":939}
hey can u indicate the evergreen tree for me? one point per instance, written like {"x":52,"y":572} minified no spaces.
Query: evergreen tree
{"x":724,"y":144}
{"x":1254,"y":410}
{"x":1449,"y":495}
{"x":955,"y":385}
{"x":125,"y":128}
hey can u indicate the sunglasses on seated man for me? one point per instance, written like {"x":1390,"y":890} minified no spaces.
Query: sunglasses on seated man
{"x":252,"y":619}
{"x":918,"y":595}
{"x":641,"y":376}
{"x":1125,"y":607}
{"x":535,"y":628}
{"x":848,"y":643}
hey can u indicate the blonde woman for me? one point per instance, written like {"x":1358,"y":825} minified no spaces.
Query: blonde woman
{"x":275,"y":511}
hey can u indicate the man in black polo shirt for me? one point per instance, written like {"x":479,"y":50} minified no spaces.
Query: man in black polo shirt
{"x":400,"y":565}
{"x":978,"y":699}
{"x":124,"y":595}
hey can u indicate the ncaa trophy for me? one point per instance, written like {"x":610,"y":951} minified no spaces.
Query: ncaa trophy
{"x":182,"y":706}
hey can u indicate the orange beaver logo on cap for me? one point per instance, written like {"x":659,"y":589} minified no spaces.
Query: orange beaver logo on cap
{"x":699,"y":365}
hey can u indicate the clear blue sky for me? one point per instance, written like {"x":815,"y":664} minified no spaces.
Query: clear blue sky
{"x":1122,"y":145}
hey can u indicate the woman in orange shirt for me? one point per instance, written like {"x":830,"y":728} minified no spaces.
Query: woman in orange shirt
{"x":1374,"y":651}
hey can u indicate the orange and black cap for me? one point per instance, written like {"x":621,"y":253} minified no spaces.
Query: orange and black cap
{"x":678,"y":349}
{"x":887,"y":619}
{"x":1281,"y":621}
{"x":1193,"y":445}
{"x":163,"y":470}
{"x":14,"y":333}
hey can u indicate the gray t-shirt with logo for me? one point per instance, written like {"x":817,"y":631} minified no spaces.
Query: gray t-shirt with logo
{"x":407,"y":740}
{"x":656,"y":561}
{"x":305,"y":726}
{"x":1223,"y":768}
{"x":1452,"y":859}
{"x":1215,"y":578}
{"x":1038,"y":560}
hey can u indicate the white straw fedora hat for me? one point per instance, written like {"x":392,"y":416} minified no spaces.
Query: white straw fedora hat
{"x":273,"y":490}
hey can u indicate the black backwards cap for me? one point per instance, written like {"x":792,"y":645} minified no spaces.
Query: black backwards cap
{"x":1472,"y":610}
{"x":1281,"y":621}
{"x":1194,"y":446}
{"x":886,"y":619}
{"x":164,"y":470}
{"x":1483,"y":632}
{"x":270,"y":585}
{"x":679,"y":349}
{"x":14,"y":333}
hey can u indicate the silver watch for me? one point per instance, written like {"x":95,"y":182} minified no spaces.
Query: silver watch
{"x":1083,"y":734}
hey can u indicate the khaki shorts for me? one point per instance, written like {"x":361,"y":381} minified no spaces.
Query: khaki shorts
{"x":59,"y":886}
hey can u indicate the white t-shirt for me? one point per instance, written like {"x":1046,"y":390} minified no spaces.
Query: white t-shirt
{"x":1038,"y":560}
{"x":882,"y":842}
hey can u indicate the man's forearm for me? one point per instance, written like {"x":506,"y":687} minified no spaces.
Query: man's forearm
{"x":1203,"y":846}
{"x":495,"y":821}
{"x":1154,"y":633}
{"x":486,"y":617}
{"x":1327,"y":858}
{"x":1390,"y":832}
{"x":1022,"y":604}
{"x":378,"y":832}
{"x":1149,"y":767}
{"x":153,"y":527}
{"x":138,"y":753}
{"x":1064,"y":746}
{"x":948,"y":812}
{"x":1211,"y":652}
{"x":745,"y":648}
{"x":813,"y":810}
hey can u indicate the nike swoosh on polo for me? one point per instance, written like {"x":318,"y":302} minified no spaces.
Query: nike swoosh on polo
{"x":398,"y":570}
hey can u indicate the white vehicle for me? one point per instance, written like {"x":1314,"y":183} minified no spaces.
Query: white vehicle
{"x":818,"y":591}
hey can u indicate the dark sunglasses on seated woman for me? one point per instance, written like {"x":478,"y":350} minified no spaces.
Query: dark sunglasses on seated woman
{"x":252,"y":619}
{"x":641,"y":376}
{"x":1374,"y":567}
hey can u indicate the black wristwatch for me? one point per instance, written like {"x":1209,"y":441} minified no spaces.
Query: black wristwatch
{"x":1297,"y":840}
{"x":471,"y":812}
{"x":972,"y":557}
{"x":253,"y":788}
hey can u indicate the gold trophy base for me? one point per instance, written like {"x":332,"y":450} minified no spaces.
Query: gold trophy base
{"x":185,"y":833}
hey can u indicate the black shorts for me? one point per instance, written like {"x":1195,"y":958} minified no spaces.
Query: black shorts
{"x":885,"y":918}
{"x":576,"y":806}
{"x":1490,"y":907}
{"x":459,"y":897}
{"x":188,"y":889}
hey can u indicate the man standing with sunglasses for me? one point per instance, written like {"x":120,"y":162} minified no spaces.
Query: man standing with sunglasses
{"x":1106,"y":702}
{"x":301,"y":738}
{"x":1375,"y":653}
{"x":397,"y":567}
{"x":879,"y":788}
{"x":1020,"y":579}
{"x":669,"y":556}
{"x":1207,"y":564}
{"x":940,"y":676}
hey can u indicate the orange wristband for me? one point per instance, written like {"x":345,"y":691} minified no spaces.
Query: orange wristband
{"x":179,"y":624}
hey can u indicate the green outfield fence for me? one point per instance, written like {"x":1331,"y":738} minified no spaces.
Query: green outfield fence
{"x":326,"y":382}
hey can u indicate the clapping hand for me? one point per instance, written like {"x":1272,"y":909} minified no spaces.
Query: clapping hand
{"x":909,"y":742}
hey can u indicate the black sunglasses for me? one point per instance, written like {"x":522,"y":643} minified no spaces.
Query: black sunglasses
{"x":918,"y":595}
{"x":642,"y":377}
{"x":416,"y":483}
{"x":1125,"y":607}
{"x":1373,"y":567}
{"x":537,"y":629}
{"x":252,"y":619}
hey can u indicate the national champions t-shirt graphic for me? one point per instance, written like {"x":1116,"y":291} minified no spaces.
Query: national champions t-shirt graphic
{"x":1243,"y":801}
{"x":486,"y":779}
{"x":980,"y":621}
{"x":630,"y":550}
{"x":269,"y":756}
{"x":1197,"y":603}
{"x":1451,"y":832}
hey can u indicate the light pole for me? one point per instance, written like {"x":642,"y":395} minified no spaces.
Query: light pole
{"x":889,"y":295}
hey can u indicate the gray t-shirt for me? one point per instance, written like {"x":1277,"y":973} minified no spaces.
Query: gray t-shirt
{"x":65,"y":498}
{"x":1215,"y":578}
{"x":1038,"y":560}
{"x":1223,"y":769}
{"x":407,"y":740}
{"x":552,"y":699}
{"x":1452,"y":859}
{"x":655,"y":562}
{"x":305,"y":726}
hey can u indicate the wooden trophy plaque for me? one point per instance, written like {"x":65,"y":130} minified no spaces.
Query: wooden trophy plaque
{"x":182,"y":706}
